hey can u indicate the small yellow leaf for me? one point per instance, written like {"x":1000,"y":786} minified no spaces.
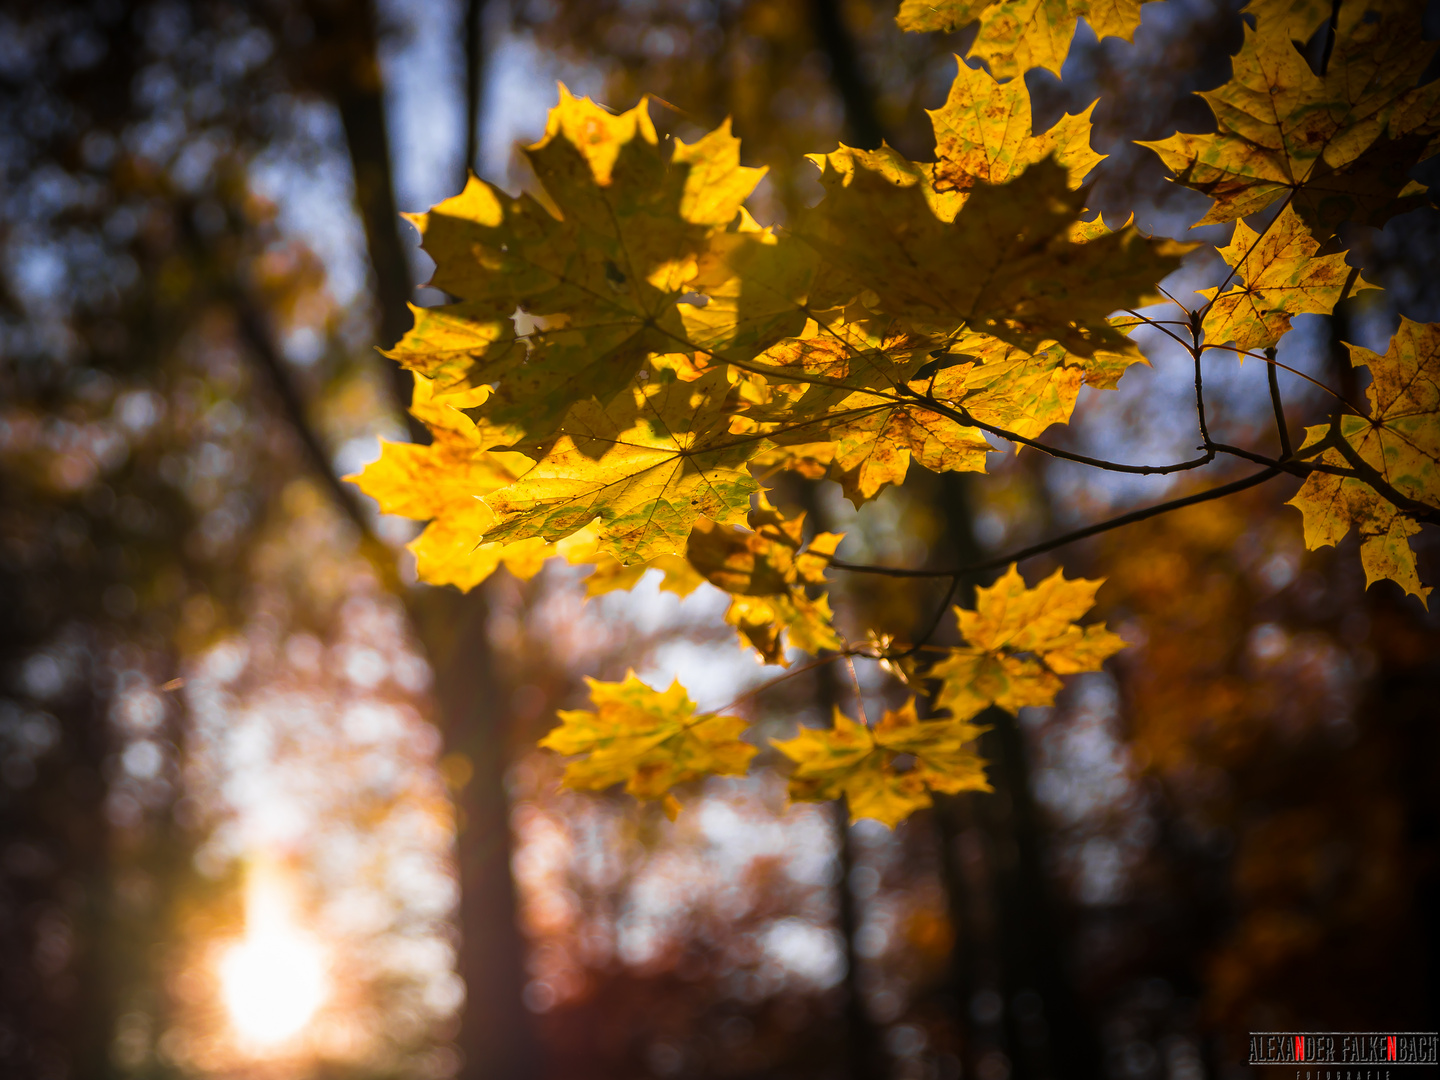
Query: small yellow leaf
{"x":1018,"y":642}
{"x":1279,"y":274}
{"x":1016,"y":35}
{"x":646,"y":739}
{"x":866,"y":767}
{"x":1400,"y":440}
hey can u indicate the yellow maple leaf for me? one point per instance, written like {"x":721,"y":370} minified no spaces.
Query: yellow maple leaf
{"x":867,"y":766}
{"x":443,"y":484}
{"x":1282,"y":128}
{"x":643,"y":469}
{"x":647,"y":740}
{"x":597,"y":262}
{"x":1016,"y":35}
{"x":1279,"y":275}
{"x":1018,"y":642}
{"x":1006,"y":263}
{"x":1400,"y":440}
{"x":983,"y":133}
{"x":829,"y":400}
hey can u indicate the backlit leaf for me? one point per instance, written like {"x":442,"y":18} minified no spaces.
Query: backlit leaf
{"x":1400,"y":440}
{"x":646,"y":739}
{"x":597,"y":263}
{"x":886,"y":772}
{"x":644,"y":469}
{"x":1018,"y":641}
{"x":1016,"y":35}
{"x":1281,"y":127}
{"x":1278,"y":274}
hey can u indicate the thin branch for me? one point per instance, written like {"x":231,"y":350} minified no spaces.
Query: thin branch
{"x":919,"y":642}
{"x":963,"y":416}
{"x":1280,"y":426}
{"x":1067,"y":538}
{"x":256,"y":334}
{"x":1242,"y":353}
{"x":1200,"y":400}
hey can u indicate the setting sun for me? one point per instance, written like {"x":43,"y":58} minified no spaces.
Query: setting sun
{"x":274,"y":978}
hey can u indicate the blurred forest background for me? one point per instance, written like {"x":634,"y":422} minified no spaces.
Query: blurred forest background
{"x":217,"y":675}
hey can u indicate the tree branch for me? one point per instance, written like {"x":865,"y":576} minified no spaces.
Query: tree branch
{"x":256,"y":334}
{"x":1067,"y":538}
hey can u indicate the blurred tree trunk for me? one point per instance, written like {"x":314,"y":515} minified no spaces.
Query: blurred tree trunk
{"x":1046,"y":1031}
{"x":865,"y":1056}
{"x":472,"y":706}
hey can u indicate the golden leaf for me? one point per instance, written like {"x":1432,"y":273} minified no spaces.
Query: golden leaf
{"x":865,"y":765}
{"x":1283,"y":128}
{"x":1400,"y":440}
{"x":983,"y":133}
{"x":443,"y":484}
{"x":597,"y":263}
{"x":648,"y":740}
{"x":643,"y":468}
{"x":1018,"y":642}
{"x":1279,"y":275}
{"x":1016,"y":35}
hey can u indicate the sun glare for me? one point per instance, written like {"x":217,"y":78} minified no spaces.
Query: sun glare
{"x":273,"y":979}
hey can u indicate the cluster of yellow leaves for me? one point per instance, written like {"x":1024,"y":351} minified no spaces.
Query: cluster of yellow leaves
{"x":629,"y":347}
{"x":867,"y":766}
{"x":1400,"y":441}
{"x":647,"y":740}
{"x":1018,"y":642}
{"x":628,"y":343}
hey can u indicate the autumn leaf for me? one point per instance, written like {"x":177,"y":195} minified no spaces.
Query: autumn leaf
{"x":1018,"y":642}
{"x":886,"y":772}
{"x":1016,"y":35}
{"x":983,"y":133}
{"x":611,"y":575}
{"x":443,"y":483}
{"x":1400,"y":440}
{"x":829,"y":399}
{"x":597,"y":263}
{"x":1282,"y":128}
{"x":766,"y":570}
{"x":1006,"y":264}
{"x":647,"y":740}
{"x":1279,"y":275}
{"x":643,"y":469}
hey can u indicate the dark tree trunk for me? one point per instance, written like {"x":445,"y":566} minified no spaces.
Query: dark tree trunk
{"x":472,"y":706}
